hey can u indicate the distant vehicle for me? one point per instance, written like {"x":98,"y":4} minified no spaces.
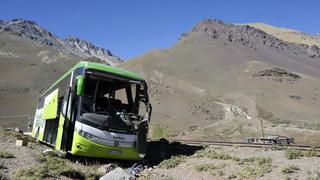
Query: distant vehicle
{"x":281,"y":140}
{"x":95,"y":110}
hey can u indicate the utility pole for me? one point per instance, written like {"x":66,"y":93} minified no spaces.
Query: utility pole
{"x":262,"y":131}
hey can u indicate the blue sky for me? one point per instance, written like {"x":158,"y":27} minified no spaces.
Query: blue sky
{"x":130,"y":28}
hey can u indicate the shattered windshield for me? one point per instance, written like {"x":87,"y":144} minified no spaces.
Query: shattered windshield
{"x":112,"y":103}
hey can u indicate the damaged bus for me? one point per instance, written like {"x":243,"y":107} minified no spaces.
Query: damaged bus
{"x":95,"y":110}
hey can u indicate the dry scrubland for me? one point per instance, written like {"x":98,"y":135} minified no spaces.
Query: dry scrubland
{"x":180,"y":162}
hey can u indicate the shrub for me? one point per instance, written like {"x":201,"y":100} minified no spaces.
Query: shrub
{"x":209,"y":167}
{"x":5,"y":154}
{"x":2,"y":165}
{"x":50,"y":167}
{"x":212,"y":154}
{"x":312,"y":153}
{"x":314,"y":176}
{"x":172,"y":162}
{"x":293,"y":154}
{"x":2,"y":176}
{"x":255,"y":167}
{"x":290,"y":169}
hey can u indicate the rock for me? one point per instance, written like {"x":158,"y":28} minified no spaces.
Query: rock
{"x":278,"y":75}
{"x":118,"y":174}
{"x":49,"y":152}
{"x":106,"y":168}
{"x":22,"y":142}
{"x":248,"y":36}
{"x":16,"y":129}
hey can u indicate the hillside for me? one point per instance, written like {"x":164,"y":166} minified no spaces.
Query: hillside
{"x":219,"y":80}
{"x":288,"y":35}
{"x":31,"y":59}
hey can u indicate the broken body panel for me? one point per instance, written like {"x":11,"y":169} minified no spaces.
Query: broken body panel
{"x":94,"y":110}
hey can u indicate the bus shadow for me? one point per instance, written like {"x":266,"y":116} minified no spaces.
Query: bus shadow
{"x":161,"y":150}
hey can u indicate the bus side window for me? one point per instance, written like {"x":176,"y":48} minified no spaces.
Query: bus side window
{"x":65,"y":102}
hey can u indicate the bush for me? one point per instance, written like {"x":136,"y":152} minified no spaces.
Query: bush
{"x":314,"y":176}
{"x":255,"y":167}
{"x":5,"y":154}
{"x":212,"y":154}
{"x":293,"y":154}
{"x":50,"y":167}
{"x":209,"y":167}
{"x":2,"y":165}
{"x":2,"y":176}
{"x":172,"y":162}
{"x":312,"y":153}
{"x":290,"y":169}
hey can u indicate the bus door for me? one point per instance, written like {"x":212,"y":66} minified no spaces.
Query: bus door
{"x":49,"y":114}
{"x":64,"y":119}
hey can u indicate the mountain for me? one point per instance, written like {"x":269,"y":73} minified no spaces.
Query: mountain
{"x":31,"y":59}
{"x":71,"y":45}
{"x":219,"y":81}
{"x":288,"y":35}
{"x":86,"y":49}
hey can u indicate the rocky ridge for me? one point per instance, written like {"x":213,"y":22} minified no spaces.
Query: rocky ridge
{"x":248,"y":36}
{"x":72,"y":45}
{"x":288,"y":35}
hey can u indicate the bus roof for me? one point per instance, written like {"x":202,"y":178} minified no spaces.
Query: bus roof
{"x":110,"y":69}
{"x":101,"y":67}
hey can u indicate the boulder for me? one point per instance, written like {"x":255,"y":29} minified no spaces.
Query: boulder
{"x":118,"y":174}
{"x":106,"y":168}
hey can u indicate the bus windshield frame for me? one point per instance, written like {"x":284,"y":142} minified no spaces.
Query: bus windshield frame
{"x":101,"y":107}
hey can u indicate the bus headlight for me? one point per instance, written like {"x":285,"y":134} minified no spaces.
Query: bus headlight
{"x":86,"y":135}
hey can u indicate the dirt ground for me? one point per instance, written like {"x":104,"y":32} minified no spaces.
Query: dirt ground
{"x":309,"y":167}
{"x":24,"y":157}
{"x":175,"y":160}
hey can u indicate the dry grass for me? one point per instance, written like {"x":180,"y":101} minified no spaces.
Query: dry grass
{"x":173,"y":162}
{"x":5,"y":154}
{"x":290,"y":169}
{"x":296,"y":154}
{"x":213,"y":154}
{"x":54,"y":167}
{"x":255,"y":167}
{"x":209,"y":167}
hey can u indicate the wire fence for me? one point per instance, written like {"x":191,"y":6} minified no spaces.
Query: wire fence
{"x":23,"y":122}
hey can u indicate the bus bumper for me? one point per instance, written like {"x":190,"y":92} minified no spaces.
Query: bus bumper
{"x":84,"y":147}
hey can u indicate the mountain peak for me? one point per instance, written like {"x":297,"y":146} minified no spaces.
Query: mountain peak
{"x":288,"y":35}
{"x":30,"y":30}
{"x":82,"y":48}
{"x":245,"y":35}
{"x":87,"y":48}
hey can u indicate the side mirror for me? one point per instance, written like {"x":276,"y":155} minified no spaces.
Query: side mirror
{"x":80,"y":83}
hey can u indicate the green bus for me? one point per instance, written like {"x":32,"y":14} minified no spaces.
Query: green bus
{"x":95,"y":110}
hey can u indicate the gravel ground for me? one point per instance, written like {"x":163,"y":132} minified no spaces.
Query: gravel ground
{"x":24,"y":157}
{"x":225,"y":162}
{"x":309,"y":167}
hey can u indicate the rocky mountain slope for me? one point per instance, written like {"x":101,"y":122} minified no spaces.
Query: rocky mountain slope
{"x":71,"y":45}
{"x":288,"y":35}
{"x":31,"y":59}
{"x":220,"y":80}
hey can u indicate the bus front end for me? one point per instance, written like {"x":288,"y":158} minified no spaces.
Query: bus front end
{"x":112,"y":116}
